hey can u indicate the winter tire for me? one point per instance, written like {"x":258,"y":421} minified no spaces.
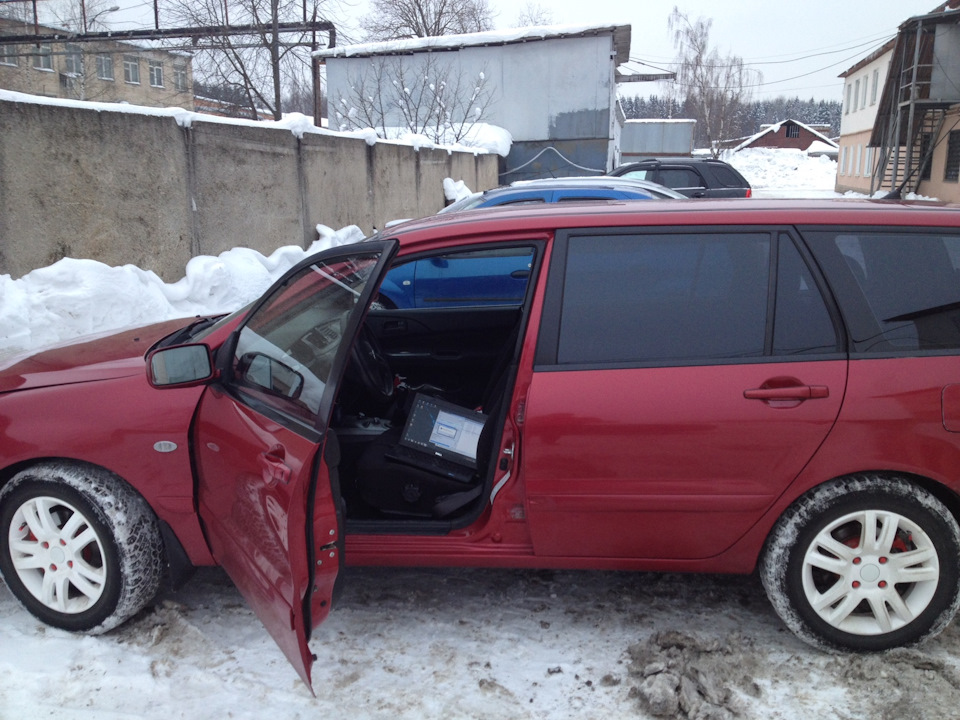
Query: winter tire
{"x":78,"y":547}
{"x":864,"y":563}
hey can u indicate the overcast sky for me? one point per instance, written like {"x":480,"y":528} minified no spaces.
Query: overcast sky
{"x":800,"y":46}
{"x":786,"y":41}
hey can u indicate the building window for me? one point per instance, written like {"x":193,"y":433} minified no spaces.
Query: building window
{"x":951,"y":171}
{"x":863,"y":98}
{"x":843,"y":160}
{"x":131,"y":69}
{"x":925,"y":140}
{"x":856,"y":164}
{"x":846,"y":107}
{"x":105,"y":67}
{"x":856,"y":94}
{"x":73,"y":60}
{"x":868,"y":162}
{"x":793,"y":131}
{"x":180,"y":78}
{"x":156,"y":73}
{"x":876,"y":83}
{"x":43,"y":58}
{"x":9,"y":55}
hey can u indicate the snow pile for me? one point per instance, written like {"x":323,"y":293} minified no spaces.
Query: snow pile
{"x":480,"y":138}
{"x":75,"y":297}
{"x":454,"y":190}
{"x":774,"y":172}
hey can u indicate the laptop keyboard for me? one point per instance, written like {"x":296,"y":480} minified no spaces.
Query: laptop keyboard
{"x":430,"y":463}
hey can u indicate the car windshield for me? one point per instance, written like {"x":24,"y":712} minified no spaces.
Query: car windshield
{"x":466,"y":203}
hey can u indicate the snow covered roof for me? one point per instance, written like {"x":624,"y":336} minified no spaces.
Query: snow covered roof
{"x":661,"y":121}
{"x":775,"y":128}
{"x":621,"y":39}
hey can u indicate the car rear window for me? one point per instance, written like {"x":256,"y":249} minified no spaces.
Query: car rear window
{"x":671,"y":297}
{"x":726,"y":177}
{"x":680,"y":178}
{"x":899,"y":291}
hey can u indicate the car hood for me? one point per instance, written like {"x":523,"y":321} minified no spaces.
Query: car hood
{"x":85,"y":359}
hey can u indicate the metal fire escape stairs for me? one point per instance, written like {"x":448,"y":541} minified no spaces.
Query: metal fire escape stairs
{"x":909,"y":120}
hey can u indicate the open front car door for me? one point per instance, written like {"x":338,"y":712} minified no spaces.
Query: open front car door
{"x":266,"y":459}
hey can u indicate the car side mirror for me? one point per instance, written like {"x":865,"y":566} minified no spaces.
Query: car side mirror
{"x":180,"y":366}
{"x":270,"y":374}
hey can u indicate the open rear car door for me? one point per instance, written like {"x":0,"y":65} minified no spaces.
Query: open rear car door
{"x":265,"y":458}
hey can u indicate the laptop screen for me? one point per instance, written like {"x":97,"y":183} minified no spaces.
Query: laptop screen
{"x":441,"y":428}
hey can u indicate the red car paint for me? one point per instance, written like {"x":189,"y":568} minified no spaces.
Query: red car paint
{"x":683,"y":468}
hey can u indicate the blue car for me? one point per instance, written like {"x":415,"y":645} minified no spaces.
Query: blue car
{"x":499,"y":277}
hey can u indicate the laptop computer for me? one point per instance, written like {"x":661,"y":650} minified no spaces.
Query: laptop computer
{"x":440,"y":437}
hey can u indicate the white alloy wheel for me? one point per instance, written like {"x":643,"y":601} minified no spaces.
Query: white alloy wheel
{"x":864,"y":562}
{"x":79,"y":548}
{"x":870,"y":572}
{"x":57,"y":555}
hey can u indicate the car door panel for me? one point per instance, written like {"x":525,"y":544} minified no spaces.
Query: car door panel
{"x":676,"y":463}
{"x":683,"y":381}
{"x":254,"y":475}
{"x":263,"y":486}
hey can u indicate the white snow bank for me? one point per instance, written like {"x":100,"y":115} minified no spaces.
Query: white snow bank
{"x":72,"y":297}
{"x":775,"y":172}
{"x":481,"y":138}
{"x":444,"y":42}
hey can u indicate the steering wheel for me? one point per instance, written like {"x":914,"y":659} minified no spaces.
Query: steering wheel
{"x":371,"y":366}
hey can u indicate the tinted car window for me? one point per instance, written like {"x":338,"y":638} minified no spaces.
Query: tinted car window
{"x":643,"y":174}
{"x":802,"y":324}
{"x":900,"y":291}
{"x":651,"y":298}
{"x":680,"y":178}
{"x":726,"y":177}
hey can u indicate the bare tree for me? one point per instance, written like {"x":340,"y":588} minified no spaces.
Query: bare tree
{"x":264,"y":66}
{"x":395,"y":19}
{"x":420,"y":95}
{"x":715,"y":86}
{"x":534,"y":14}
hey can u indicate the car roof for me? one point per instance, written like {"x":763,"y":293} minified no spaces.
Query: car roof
{"x":680,"y":160}
{"x":534,"y":189}
{"x":522,"y":221}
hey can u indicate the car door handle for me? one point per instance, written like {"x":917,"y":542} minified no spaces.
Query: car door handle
{"x":793,"y":392}
{"x":273,"y":468}
{"x":393,"y":327}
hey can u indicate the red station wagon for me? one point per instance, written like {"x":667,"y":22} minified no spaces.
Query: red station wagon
{"x":729,"y":387}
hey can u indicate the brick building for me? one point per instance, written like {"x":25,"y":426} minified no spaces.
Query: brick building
{"x":102,"y":71}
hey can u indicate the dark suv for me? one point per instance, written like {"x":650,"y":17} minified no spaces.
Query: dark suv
{"x":693,"y":177}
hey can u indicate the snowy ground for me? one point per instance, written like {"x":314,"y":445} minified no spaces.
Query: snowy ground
{"x":423,"y":644}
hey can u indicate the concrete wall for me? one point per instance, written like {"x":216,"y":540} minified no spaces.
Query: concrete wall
{"x":123,"y":187}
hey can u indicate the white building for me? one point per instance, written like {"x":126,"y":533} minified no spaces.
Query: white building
{"x":863,"y":85}
{"x":553,"y":88}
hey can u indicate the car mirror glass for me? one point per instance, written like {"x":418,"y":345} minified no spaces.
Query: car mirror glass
{"x":184,"y":364}
{"x":270,"y":374}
